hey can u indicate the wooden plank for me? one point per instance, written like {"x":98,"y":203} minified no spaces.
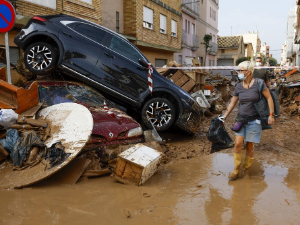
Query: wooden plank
{"x":189,"y":85}
{"x":177,"y":76}
{"x":182,"y":80}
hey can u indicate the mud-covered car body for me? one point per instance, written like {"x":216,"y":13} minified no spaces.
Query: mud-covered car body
{"x":118,"y":128}
{"x":108,"y":62}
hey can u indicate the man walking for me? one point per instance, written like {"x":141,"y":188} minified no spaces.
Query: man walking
{"x":261,"y":73}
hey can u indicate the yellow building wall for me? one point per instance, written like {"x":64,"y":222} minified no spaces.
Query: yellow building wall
{"x":75,"y":8}
{"x":133,"y":22}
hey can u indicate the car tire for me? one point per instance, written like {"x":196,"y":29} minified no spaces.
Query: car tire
{"x":40,"y":58}
{"x":160,"y":112}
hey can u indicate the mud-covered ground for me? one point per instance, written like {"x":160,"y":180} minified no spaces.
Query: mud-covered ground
{"x":190,"y":187}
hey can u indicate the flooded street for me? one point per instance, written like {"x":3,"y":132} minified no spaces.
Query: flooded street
{"x":186,"y":190}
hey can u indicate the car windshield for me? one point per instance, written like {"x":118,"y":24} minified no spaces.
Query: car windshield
{"x":53,"y":94}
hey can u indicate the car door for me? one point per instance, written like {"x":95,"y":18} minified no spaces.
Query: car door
{"x":119,"y":69}
{"x":82,"y":46}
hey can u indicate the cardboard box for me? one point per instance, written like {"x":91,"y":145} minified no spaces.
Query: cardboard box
{"x":137,"y":164}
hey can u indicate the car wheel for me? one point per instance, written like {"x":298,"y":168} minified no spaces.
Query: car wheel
{"x":40,"y":58}
{"x":160,"y":112}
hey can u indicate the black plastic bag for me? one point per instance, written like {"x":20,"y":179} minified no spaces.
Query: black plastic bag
{"x":218,"y":135}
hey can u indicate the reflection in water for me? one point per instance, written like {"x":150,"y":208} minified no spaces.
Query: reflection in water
{"x":246,"y":201}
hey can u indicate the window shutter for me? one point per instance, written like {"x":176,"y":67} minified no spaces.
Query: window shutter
{"x":148,"y":15}
{"x":163,"y":23}
{"x":174,"y":28}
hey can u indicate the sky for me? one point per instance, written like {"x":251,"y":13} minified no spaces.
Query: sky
{"x":269,"y":17}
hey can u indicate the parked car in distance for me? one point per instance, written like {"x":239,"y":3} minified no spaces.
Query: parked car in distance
{"x":107,"y":130}
{"x":108,"y":62}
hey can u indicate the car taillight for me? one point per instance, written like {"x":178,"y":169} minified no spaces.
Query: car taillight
{"x":38,"y":18}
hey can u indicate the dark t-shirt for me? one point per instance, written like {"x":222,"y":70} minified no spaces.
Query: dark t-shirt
{"x":247,"y":98}
{"x":261,"y":74}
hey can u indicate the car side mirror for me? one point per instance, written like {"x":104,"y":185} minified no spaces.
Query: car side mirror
{"x":143,"y":63}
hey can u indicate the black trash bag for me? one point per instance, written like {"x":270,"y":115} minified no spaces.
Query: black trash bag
{"x":56,"y":154}
{"x":218,"y":135}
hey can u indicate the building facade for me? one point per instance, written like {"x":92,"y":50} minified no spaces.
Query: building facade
{"x":154,"y":27}
{"x":283,"y":55}
{"x":253,"y":38}
{"x":291,"y":47}
{"x":207,"y":23}
{"x":230,"y":49}
{"x":248,"y":50}
{"x":212,"y":10}
{"x":189,"y":37}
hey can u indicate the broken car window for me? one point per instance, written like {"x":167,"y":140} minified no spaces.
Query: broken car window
{"x":52,"y":95}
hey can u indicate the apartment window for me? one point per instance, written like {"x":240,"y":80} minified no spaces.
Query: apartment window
{"x":117,"y":22}
{"x":213,"y":14}
{"x":174,"y":28}
{"x":201,"y":60}
{"x":209,"y":62}
{"x":163,"y":24}
{"x":193,"y":28}
{"x":46,"y":3}
{"x":180,"y":59}
{"x":148,"y":18}
{"x":160,"y":62}
{"x":188,"y":30}
{"x":213,"y":62}
{"x":186,"y":25}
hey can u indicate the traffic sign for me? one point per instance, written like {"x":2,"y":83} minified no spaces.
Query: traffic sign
{"x":7,"y":16}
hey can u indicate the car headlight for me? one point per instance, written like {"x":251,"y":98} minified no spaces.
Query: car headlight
{"x":135,"y":132}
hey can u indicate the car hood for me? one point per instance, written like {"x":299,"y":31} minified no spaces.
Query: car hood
{"x":111,"y":127}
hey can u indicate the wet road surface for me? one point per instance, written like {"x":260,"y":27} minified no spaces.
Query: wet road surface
{"x":193,"y":191}
{"x":184,"y":191}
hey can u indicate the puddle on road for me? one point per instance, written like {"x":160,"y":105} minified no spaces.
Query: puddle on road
{"x":186,"y":192}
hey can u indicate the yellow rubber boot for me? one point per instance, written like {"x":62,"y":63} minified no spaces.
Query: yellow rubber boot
{"x":237,"y":157}
{"x":247,"y":165}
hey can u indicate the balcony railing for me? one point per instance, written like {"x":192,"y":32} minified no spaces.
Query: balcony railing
{"x":189,"y":40}
{"x":190,"y":6}
{"x":213,"y":50}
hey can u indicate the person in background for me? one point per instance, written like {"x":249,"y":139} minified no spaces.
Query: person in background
{"x":246,"y":92}
{"x":261,"y":73}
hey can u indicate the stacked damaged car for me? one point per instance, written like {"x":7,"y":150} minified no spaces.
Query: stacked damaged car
{"x":90,"y":87}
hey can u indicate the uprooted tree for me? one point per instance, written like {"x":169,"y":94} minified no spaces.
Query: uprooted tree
{"x":206,"y":40}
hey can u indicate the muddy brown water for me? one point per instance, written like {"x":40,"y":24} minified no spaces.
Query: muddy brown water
{"x":186,"y":190}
